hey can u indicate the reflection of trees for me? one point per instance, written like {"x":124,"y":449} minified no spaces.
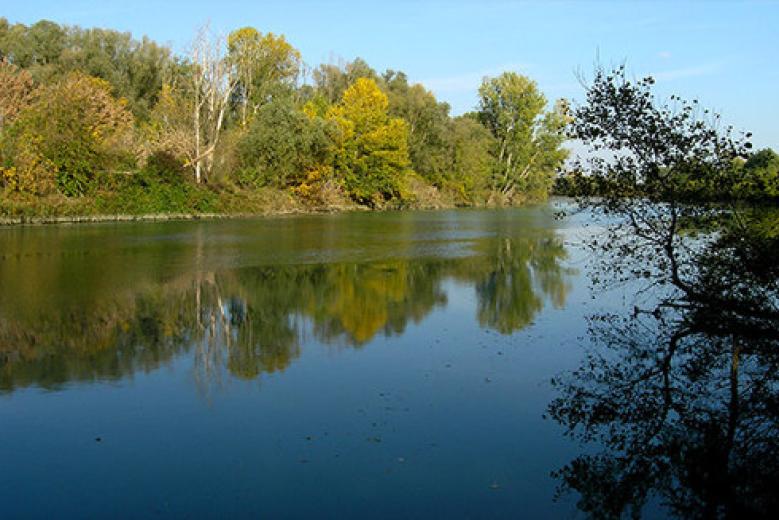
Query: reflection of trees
{"x":684,"y":399}
{"x":360,"y":300}
{"x":682,"y":416}
{"x":517,"y":276}
{"x":249,"y":321}
{"x":117,"y":339}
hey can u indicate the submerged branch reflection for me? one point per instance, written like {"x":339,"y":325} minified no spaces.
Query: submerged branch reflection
{"x":686,"y":418}
{"x":681,"y":402}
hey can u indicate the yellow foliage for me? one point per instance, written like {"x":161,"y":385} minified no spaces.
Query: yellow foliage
{"x":364,"y":105}
{"x":32,"y":172}
{"x":319,"y":187}
{"x":169,"y":128}
{"x":310,"y":110}
{"x":73,"y":129}
{"x":374,"y":158}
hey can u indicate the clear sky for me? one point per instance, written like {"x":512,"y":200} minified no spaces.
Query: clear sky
{"x":724,"y":53}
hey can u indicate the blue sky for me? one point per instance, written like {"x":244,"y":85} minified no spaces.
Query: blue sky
{"x":724,"y":53}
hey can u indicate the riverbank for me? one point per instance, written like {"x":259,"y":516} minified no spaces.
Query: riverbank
{"x":15,"y":211}
{"x":39,"y":215}
{"x":82,"y":219}
{"x":199,"y":203}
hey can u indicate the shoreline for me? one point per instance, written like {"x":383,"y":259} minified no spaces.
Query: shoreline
{"x":42,"y":220}
{"x":26,"y":220}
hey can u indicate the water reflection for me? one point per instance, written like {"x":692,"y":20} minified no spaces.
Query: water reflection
{"x":89,"y":318}
{"x":680,"y":405}
{"x":682,"y":418}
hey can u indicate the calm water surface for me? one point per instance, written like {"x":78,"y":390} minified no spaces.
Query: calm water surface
{"x":393,"y":364}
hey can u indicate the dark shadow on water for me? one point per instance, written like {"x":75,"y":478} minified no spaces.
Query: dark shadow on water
{"x":678,"y":404}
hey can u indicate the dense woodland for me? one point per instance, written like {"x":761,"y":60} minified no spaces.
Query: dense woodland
{"x":95,"y":121}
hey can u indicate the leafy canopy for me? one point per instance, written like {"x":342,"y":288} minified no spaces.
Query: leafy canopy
{"x":373,"y":161}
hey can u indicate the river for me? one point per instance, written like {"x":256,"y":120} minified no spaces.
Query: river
{"x":353,"y":365}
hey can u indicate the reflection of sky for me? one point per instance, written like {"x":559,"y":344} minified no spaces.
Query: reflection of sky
{"x":441,"y":419}
{"x":339,"y":426}
{"x":136,"y":295}
{"x":722,"y":52}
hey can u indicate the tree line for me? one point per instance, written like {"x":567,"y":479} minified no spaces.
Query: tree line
{"x":99,"y":119}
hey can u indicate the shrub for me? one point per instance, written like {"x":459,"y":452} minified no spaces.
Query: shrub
{"x":71,"y":132}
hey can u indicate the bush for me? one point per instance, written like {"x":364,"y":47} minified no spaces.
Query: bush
{"x":72,"y":131}
{"x":163,"y":167}
{"x":282,"y":145}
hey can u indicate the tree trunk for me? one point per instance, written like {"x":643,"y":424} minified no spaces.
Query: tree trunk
{"x":197,"y":136}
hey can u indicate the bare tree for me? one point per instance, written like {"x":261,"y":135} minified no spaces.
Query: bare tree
{"x":212,"y":86}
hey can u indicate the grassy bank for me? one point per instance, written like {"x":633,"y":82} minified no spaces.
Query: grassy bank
{"x":179,"y":202}
{"x":134,"y":202}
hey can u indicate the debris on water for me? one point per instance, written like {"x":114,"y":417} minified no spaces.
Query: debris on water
{"x":487,"y":380}
{"x":377,"y":440}
{"x":494,"y":485}
{"x":401,"y":460}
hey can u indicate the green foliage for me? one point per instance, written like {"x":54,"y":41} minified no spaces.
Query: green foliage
{"x":758,"y":178}
{"x":235,"y":114}
{"x":332,"y":80}
{"x":429,"y":126}
{"x":158,"y":188}
{"x":662,"y":152}
{"x":73,"y":130}
{"x":528,"y":141}
{"x":265,"y":67}
{"x":470,"y":146}
{"x":36,"y":47}
{"x":282,"y":145}
{"x":133,"y":68}
{"x":373,"y":160}
{"x":162,"y":167}
{"x":576,"y":184}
